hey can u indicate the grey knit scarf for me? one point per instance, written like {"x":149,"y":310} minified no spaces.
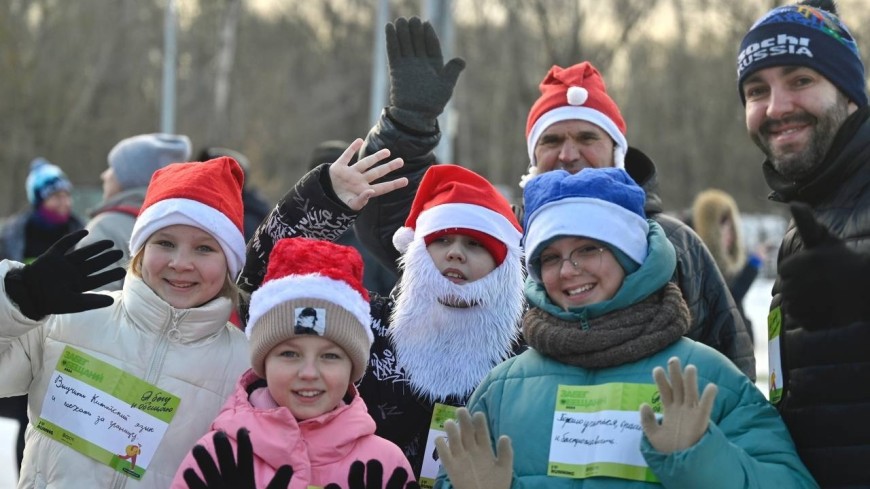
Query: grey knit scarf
{"x":616,"y":338}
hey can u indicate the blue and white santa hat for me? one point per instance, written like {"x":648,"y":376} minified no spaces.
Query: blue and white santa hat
{"x":603,"y":204}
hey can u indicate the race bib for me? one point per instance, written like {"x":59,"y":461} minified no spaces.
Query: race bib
{"x":597,"y":431}
{"x":105,"y":413}
{"x":774,"y":329}
{"x":431,"y":464}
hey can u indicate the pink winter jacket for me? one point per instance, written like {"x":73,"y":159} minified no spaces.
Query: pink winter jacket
{"x":320,"y":449}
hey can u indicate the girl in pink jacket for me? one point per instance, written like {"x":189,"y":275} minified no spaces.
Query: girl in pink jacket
{"x":309,"y":339}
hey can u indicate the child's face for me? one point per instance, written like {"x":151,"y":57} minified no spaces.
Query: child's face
{"x":184,"y":265}
{"x":460,"y":258}
{"x":309,"y":375}
{"x":597,"y":277}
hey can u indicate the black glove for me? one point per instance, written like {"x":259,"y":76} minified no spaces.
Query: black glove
{"x":371,"y":476}
{"x":56,"y":282}
{"x":232,"y":474}
{"x":825,"y":284}
{"x":420,"y":83}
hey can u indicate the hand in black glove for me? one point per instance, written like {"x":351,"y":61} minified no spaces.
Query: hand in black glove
{"x":420,"y":83}
{"x":56,"y":282}
{"x":826,"y":283}
{"x":371,"y":476}
{"x":232,"y":474}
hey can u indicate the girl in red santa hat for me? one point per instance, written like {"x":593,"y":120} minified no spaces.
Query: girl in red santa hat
{"x":147,"y":366}
{"x":309,"y":341}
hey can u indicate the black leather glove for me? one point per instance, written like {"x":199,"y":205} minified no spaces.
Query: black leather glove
{"x":371,"y":476}
{"x":232,"y":474}
{"x":826,"y":283}
{"x":57,"y":281}
{"x":420,"y":83}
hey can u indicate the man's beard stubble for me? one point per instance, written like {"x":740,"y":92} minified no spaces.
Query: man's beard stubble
{"x":796,"y":166}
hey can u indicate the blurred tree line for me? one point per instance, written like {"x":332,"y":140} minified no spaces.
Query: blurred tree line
{"x":273,"y":78}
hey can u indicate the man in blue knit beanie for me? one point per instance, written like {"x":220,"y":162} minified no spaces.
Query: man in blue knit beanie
{"x":801,"y":79}
{"x":131,"y":163}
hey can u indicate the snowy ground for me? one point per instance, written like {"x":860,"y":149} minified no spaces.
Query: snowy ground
{"x":756,"y":304}
{"x":8,"y":469}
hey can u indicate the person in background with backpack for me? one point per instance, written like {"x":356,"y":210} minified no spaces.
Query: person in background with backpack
{"x":131,"y":163}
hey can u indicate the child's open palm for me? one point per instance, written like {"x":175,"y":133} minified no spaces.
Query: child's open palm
{"x":353,"y":185}
{"x":685,"y":417}
{"x":468,"y":457}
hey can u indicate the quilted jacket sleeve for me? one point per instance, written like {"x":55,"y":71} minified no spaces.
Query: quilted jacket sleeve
{"x":716,"y":321}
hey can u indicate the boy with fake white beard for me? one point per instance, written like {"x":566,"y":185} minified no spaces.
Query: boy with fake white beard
{"x":454,"y":313}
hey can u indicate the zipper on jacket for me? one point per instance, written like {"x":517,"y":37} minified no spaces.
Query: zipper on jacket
{"x":584,"y":321}
{"x":170,"y":334}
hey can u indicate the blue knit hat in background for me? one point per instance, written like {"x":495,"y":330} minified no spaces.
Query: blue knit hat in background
{"x":44,"y":180}
{"x":807,"y":36}
{"x":603,"y":204}
{"x":135,"y":159}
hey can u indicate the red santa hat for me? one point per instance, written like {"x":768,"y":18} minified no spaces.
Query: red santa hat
{"x":205,"y":195}
{"x":311,"y":287}
{"x":455,"y":200}
{"x":576,"y":92}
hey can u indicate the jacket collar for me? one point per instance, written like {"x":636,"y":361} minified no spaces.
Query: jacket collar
{"x":279,"y":438}
{"x":132,"y":197}
{"x":641,"y":168}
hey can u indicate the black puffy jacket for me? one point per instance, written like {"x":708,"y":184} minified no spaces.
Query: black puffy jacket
{"x":382,"y":216}
{"x":826,"y":369}
{"x":716,"y":320}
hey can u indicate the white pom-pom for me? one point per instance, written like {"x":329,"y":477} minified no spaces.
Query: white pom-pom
{"x":533,"y":171}
{"x":402,"y":238}
{"x":577,"y":95}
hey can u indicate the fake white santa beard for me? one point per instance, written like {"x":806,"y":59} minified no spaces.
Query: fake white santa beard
{"x":448,"y":350}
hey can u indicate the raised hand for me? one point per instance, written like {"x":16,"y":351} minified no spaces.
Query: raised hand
{"x":685,"y":418}
{"x":467,"y":455}
{"x":233,"y":473}
{"x":371,"y":476}
{"x":826,"y":283}
{"x":353,"y":183}
{"x":57,"y":281}
{"x":420,"y":83}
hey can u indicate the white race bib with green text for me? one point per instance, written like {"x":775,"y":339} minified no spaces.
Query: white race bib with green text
{"x":597,"y":432}
{"x":105,"y":413}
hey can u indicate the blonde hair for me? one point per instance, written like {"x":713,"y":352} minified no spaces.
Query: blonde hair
{"x":711,"y":208}
{"x":229,"y":290}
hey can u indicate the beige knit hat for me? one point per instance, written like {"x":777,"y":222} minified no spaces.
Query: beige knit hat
{"x":311,"y":287}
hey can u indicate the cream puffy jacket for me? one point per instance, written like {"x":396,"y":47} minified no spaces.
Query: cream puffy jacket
{"x":194,"y":354}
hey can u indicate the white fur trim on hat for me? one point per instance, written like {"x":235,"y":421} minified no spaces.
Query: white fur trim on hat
{"x":313,"y":286}
{"x":402,"y":238}
{"x":169,"y":212}
{"x":591,"y":218}
{"x":467,"y":216}
{"x":569,"y":112}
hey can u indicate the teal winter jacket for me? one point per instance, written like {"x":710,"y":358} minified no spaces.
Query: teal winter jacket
{"x":746,"y":444}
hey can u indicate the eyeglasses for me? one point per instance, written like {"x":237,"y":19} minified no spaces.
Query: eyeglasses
{"x":586,"y":257}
